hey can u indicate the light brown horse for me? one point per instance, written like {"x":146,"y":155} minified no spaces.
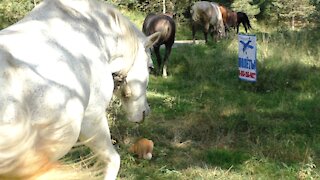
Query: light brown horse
{"x":234,"y":19}
{"x":229,"y":17}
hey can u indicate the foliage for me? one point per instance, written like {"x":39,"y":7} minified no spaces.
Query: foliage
{"x":293,"y":9}
{"x":13,"y":10}
{"x":206,"y":124}
{"x":246,"y":6}
{"x":273,"y":10}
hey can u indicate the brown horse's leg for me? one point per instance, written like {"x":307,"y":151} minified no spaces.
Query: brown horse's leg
{"x":158,"y":55}
{"x":238,"y":24}
{"x":193,"y":32}
{"x":205,"y":31}
{"x":245,"y":26}
{"x":212,"y":32}
{"x":165,"y":60}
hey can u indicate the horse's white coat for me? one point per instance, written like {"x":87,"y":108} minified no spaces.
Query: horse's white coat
{"x":56,"y":81}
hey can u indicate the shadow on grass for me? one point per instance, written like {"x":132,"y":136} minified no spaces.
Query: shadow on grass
{"x":203,"y":115}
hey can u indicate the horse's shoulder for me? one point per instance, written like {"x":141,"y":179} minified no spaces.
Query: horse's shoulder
{"x":7,"y":60}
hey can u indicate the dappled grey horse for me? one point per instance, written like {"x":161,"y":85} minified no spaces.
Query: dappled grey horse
{"x":208,"y":15}
{"x":58,"y":67}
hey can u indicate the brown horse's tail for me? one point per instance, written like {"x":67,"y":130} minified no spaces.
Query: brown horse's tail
{"x":247,"y":21}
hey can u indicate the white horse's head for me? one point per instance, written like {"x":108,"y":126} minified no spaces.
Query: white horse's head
{"x":133,"y":93}
{"x":131,"y":80}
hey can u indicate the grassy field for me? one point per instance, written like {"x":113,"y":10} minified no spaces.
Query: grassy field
{"x":207,"y":124}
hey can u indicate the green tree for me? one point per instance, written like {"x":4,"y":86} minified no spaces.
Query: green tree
{"x":316,"y":15}
{"x":13,"y":10}
{"x":246,"y":6}
{"x":293,"y":10}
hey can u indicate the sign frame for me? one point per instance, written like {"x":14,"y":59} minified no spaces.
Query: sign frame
{"x":247,"y":57}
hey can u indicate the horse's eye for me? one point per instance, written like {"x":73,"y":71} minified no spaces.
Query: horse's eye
{"x":151,"y":68}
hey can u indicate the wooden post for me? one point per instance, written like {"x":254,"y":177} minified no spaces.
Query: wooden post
{"x":292,"y":22}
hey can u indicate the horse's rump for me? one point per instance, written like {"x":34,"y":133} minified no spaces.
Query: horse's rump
{"x":160,"y":23}
{"x":229,"y":17}
{"x":232,"y":19}
{"x":242,"y":17}
{"x":202,"y":12}
{"x":165,"y":25}
{"x":208,"y":15}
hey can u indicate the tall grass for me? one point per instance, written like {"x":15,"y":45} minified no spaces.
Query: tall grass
{"x":207,"y":124}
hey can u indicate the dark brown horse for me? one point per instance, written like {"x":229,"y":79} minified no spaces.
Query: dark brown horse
{"x":243,"y":18}
{"x":165,"y":24}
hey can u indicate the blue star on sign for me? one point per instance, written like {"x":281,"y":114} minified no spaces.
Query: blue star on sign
{"x":246,"y":45}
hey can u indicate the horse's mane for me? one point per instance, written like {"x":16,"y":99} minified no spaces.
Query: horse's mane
{"x":125,"y":32}
{"x":19,"y":142}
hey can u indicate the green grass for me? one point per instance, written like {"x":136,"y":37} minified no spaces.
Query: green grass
{"x":207,"y":124}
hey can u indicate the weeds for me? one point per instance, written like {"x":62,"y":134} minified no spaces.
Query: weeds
{"x":206,"y":124}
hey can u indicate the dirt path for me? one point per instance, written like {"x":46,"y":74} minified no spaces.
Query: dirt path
{"x":184,"y":42}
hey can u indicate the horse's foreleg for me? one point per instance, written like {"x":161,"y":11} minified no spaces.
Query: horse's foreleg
{"x":245,"y":26}
{"x":95,"y":134}
{"x":238,"y":27}
{"x":158,"y":55}
{"x":165,"y":60}
{"x":226,"y":29}
{"x":193,"y":33}
{"x":205,"y":31}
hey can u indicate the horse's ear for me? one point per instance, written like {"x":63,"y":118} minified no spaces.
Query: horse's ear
{"x":152,"y":39}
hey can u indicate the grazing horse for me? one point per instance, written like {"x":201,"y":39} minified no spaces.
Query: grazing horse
{"x":229,"y":17}
{"x":58,"y":68}
{"x":208,"y":15}
{"x":243,"y":18}
{"x":164,"y":24}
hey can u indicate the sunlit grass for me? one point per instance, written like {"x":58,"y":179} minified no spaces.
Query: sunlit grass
{"x":207,"y":124}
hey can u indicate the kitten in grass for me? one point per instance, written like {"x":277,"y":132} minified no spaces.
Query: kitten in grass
{"x":143,"y":148}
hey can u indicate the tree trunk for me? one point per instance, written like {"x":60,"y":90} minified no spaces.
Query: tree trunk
{"x":164,"y":6}
{"x":292,"y":23}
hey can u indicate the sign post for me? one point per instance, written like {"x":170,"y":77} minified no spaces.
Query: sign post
{"x":247,"y":57}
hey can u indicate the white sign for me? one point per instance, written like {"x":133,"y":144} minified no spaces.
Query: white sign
{"x":247,"y":59}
